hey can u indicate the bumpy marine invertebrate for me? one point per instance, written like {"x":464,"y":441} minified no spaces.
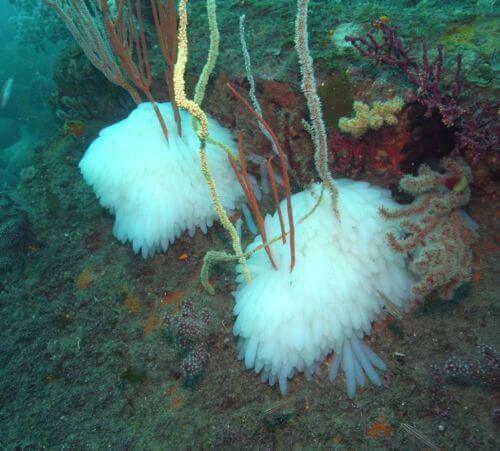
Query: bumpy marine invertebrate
{"x":371,"y":117}
{"x":193,"y":364}
{"x":485,"y":369}
{"x":191,"y":329}
{"x":435,"y":232}
{"x":439,"y":396}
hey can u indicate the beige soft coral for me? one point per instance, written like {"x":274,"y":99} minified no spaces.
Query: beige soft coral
{"x":371,"y":117}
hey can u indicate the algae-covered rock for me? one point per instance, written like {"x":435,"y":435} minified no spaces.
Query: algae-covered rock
{"x":83,"y":92}
{"x":14,"y":232}
{"x":10,"y":131}
{"x":134,"y":374}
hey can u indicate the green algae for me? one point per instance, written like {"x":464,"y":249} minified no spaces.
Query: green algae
{"x":52,"y":202}
{"x":337,"y":98}
{"x":134,"y":374}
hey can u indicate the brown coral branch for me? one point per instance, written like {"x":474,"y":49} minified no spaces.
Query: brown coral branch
{"x":125,"y":41}
{"x":165,"y":19}
{"x":276,"y":197}
{"x":284,"y":171}
{"x":83,"y":22}
{"x":244,"y":181}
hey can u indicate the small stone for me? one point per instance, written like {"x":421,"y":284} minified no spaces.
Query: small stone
{"x":399,"y":357}
{"x":441,"y":428}
{"x":28,"y":174}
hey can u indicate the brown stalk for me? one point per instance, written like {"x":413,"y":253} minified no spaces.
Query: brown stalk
{"x":165,"y":19}
{"x":244,"y":181}
{"x":80,"y":19}
{"x":284,"y":172}
{"x":124,"y":41}
{"x":270,"y":171}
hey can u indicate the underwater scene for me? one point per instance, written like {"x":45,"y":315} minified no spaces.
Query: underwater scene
{"x":249,"y":224}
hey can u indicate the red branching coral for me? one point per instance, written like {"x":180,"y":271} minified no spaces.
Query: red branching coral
{"x":435,"y":232}
{"x":378,"y":153}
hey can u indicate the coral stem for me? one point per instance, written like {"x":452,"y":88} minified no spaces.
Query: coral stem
{"x":284,"y":171}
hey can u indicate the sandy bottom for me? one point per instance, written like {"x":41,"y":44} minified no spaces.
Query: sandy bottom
{"x":86,"y":361}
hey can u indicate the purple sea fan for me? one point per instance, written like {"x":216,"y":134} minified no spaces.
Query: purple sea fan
{"x":476,"y":128}
{"x":425,"y":75}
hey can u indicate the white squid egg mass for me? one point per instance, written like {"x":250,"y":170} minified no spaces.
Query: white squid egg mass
{"x":154,"y":187}
{"x":289,"y":321}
